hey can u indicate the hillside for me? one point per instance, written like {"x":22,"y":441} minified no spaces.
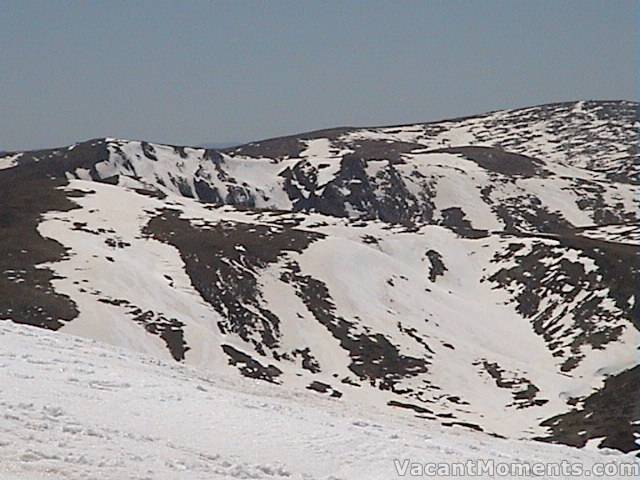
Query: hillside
{"x":475,"y":274}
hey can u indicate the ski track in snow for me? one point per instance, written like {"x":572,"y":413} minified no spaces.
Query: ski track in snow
{"x":74,"y":409}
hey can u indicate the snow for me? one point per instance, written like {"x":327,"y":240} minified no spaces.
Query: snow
{"x":262,"y":175}
{"x":320,"y":147}
{"x":138,"y":274}
{"x":9,"y":161}
{"x":75,"y":408}
{"x":325,"y":158}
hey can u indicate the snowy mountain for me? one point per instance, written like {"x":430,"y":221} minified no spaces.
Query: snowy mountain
{"x":475,"y":274}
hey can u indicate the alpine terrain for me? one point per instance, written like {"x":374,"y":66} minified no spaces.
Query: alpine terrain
{"x":472,"y":278}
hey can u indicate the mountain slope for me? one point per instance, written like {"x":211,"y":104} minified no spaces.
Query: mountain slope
{"x":478,"y":273}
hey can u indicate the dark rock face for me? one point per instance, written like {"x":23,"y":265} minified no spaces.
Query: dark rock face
{"x":611,"y":413}
{"x":524,"y":392}
{"x":58,"y":162}
{"x":437,"y":267}
{"x":353,"y":190}
{"x":250,"y":367}
{"x":206,"y":193}
{"x":415,"y":408}
{"x":324,"y":388}
{"x":170,"y":330}
{"x":454,"y":218}
{"x":284,"y":147}
{"x":500,"y":161}
{"x":26,"y":290}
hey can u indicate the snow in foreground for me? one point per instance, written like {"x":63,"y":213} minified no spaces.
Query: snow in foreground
{"x":72,"y":408}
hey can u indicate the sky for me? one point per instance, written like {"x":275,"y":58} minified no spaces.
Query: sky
{"x":195,"y":71}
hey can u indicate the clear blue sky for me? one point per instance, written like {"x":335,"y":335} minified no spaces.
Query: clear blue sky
{"x":188,"y":72}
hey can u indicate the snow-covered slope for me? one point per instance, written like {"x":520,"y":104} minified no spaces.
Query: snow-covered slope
{"x":475,"y":274}
{"x":167,"y":421}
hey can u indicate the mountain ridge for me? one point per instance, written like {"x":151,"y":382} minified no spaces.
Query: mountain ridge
{"x":460,"y":270}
